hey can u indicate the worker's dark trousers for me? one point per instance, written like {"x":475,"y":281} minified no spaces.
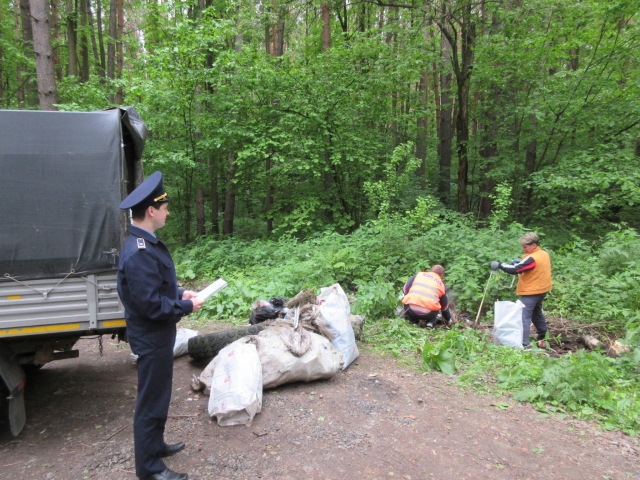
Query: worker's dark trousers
{"x":415,"y":318}
{"x":532,"y":312}
{"x":155,"y":375}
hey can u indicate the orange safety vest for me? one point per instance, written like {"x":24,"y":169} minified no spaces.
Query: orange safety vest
{"x":426,"y":290}
{"x":538,"y":279}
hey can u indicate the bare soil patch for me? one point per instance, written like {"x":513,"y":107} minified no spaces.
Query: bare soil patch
{"x":379,"y":419}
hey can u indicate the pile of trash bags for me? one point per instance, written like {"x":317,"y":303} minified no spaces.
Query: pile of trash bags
{"x":306,"y":338}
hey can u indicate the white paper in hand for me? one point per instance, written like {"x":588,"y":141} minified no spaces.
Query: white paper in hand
{"x":211,"y":289}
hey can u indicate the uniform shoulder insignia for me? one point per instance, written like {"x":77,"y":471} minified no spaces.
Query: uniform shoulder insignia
{"x":141,"y":243}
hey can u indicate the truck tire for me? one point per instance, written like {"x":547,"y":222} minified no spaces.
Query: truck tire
{"x":207,"y":346}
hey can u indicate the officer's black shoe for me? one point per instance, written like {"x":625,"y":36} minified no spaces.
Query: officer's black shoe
{"x":167,"y":475}
{"x":169,"y":450}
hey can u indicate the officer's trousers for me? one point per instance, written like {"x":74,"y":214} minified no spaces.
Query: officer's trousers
{"x":155,"y":376}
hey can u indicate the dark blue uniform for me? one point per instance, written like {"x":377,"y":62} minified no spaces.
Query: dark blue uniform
{"x":153,"y":306}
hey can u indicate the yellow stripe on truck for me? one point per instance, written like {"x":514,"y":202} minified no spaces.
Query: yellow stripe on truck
{"x":42,"y":329}
{"x":114,"y":323}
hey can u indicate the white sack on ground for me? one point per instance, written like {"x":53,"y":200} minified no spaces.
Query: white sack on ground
{"x":205,"y":378}
{"x":181,"y":347}
{"x":507,"y":324}
{"x":203,"y":381}
{"x":334,"y":323}
{"x":279,"y":365}
{"x":357,"y":324}
{"x":236,"y":386}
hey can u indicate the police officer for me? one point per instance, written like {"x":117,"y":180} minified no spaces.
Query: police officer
{"x":153,"y":306}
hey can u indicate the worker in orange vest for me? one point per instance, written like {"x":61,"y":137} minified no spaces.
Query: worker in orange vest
{"x":533,"y":285}
{"x":425,"y":296}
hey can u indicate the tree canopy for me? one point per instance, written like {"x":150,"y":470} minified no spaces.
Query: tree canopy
{"x":288,"y":118}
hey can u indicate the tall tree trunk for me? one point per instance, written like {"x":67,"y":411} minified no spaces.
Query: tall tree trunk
{"x":31,"y":90}
{"x":113,"y":38}
{"x":186,"y":201}
{"x":120,"y":50}
{"x":94,"y":44}
{"x":488,"y":151}
{"x":268,"y":25}
{"x":362,"y":18}
{"x":421,"y":129}
{"x":279,"y":37}
{"x":394,"y":118}
{"x":19,"y":69}
{"x":215,"y":202}
{"x":462,"y":62}
{"x":72,"y":26}
{"x":462,"y":137}
{"x":277,"y":50}
{"x":326,"y":27}
{"x":230,"y":196}
{"x":574,"y":58}
{"x":530,"y":163}
{"x":268,"y":202}
{"x":344,"y":19}
{"x":200,"y":230}
{"x":45,"y":69}
{"x":446,"y":134}
{"x":326,"y":46}
{"x":102,"y":65}
{"x":84,"y":42}
{"x":55,"y":23}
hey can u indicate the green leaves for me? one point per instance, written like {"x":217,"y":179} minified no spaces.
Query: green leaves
{"x":438,"y":358}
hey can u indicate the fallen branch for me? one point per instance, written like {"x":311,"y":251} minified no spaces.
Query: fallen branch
{"x":114,"y":434}
{"x":498,"y":457}
{"x":572,"y":328}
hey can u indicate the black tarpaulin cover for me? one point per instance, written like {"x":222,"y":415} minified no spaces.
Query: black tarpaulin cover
{"x":61,"y":181}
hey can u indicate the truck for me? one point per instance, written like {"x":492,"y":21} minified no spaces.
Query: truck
{"x":62,"y":178}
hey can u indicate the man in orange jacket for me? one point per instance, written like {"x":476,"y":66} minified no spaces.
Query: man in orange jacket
{"x":425,"y":296}
{"x":534,"y":284}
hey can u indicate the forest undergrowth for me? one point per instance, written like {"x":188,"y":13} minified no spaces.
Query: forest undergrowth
{"x":595,"y":282}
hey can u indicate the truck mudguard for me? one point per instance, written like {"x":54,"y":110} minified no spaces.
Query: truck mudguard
{"x":13,"y":377}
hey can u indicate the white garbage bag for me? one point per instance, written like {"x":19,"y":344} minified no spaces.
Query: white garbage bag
{"x":279,"y":364}
{"x":181,"y":347}
{"x":334,"y":322}
{"x":507,"y":324}
{"x":236,"y":386}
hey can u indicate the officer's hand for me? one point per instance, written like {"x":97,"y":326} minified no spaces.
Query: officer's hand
{"x":197,"y":304}
{"x":495,"y":266}
{"x":188,"y":295}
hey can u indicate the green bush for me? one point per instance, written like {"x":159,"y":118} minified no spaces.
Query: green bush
{"x":593,"y":283}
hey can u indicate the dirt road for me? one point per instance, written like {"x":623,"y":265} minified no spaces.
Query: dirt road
{"x":377,"y":420}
